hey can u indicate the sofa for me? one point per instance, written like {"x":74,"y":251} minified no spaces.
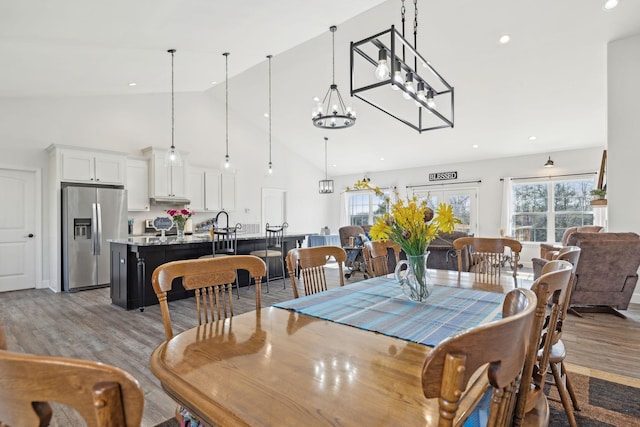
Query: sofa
{"x":606,"y":273}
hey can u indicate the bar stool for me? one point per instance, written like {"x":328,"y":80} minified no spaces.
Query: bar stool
{"x":273,"y":249}
{"x":224,"y":241}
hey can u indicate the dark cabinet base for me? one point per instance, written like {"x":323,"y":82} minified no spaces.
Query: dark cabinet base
{"x":132,"y":266}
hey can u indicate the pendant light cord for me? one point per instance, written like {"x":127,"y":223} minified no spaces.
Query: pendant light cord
{"x":325,"y":158}
{"x":269,"y":56}
{"x":226,"y":102}
{"x":333,"y":52}
{"x":172,"y":51}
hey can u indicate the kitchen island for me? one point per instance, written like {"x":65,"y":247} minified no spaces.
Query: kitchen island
{"x":134,"y":259}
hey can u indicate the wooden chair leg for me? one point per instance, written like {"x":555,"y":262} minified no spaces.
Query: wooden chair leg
{"x":572,"y":394}
{"x":564,"y":396}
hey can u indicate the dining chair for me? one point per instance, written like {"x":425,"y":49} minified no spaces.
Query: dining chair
{"x":551,"y":289}
{"x":211,"y":279}
{"x":273,"y":249}
{"x":558,"y":351}
{"x":311,"y":263}
{"x":224,"y":242}
{"x":102,"y":394}
{"x":502,"y":344}
{"x":487,"y":256}
{"x":376,"y":256}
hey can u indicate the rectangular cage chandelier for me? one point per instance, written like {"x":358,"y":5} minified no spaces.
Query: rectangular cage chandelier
{"x":422,"y":99}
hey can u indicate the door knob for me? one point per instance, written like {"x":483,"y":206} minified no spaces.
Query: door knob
{"x":30,"y":235}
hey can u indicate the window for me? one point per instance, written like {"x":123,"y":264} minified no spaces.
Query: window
{"x":366,"y":206}
{"x":463,"y":201}
{"x":542,"y":211}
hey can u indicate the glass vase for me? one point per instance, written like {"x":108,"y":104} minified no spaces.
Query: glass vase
{"x":180,"y":230}
{"x":414,"y":280}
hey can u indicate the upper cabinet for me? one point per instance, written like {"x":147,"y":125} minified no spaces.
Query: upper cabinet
{"x":137,"y":185}
{"x":90,"y":166}
{"x":203,"y":189}
{"x":165,"y":180}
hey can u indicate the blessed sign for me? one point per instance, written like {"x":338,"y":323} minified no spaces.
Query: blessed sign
{"x":443,"y":176}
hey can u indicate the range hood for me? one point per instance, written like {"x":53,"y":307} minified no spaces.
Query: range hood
{"x":166,"y":200}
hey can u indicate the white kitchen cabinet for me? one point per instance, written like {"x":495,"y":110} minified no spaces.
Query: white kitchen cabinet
{"x":228,"y":190}
{"x":92,"y":166}
{"x":203,"y":189}
{"x":137,"y":185}
{"x":165,"y":180}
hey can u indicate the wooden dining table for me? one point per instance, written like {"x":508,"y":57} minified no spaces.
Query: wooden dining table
{"x":280,"y":366}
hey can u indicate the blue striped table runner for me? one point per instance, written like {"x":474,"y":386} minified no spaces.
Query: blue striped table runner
{"x":379,"y":305}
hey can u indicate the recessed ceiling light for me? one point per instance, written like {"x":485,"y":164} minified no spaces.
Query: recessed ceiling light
{"x":381,"y":158}
{"x":213,"y":83}
{"x":334,"y":166}
{"x":266,"y":115}
{"x":315,"y":98}
{"x":532,"y":138}
{"x":133,"y":84}
{"x":475,"y":146}
{"x":610,"y":4}
{"x":506,"y":38}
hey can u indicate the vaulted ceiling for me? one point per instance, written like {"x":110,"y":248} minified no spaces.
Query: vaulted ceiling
{"x":548,"y":82}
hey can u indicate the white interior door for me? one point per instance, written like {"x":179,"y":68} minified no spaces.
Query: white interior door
{"x":273,"y":206}
{"x":17,"y":230}
{"x":464,"y":202}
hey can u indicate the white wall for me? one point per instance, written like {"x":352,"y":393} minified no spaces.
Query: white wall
{"x":623,"y":150}
{"x":129,"y":123}
{"x":490,"y":189}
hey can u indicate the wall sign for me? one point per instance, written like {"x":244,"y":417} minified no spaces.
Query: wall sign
{"x":443,"y":176}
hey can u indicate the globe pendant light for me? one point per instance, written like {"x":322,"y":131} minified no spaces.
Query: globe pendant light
{"x":226,"y":106}
{"x":172,"y":156}
{"x":331,"y":113}
{"x":325,"y":186}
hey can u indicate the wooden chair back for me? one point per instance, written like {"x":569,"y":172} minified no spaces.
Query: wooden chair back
{"x":570,"y":254}
{"x":376,"y":256}
{"x":487,"y":256}
{"x":502,"y":344}
{"x":551,"y":288}
{"x":103,"y":395}
{"x":311,"y":263}
{"x":212,"y":280}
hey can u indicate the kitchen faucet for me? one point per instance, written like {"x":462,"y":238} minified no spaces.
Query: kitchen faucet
{"x":215,"y":221}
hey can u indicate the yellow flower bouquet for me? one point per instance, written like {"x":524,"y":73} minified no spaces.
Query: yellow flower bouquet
{"x":412,"y":225}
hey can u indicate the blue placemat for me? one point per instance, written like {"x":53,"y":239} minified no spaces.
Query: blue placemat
{"x":379,"y":305}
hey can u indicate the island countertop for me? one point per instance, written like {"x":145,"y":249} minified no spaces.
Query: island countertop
{"x":194,"y":238}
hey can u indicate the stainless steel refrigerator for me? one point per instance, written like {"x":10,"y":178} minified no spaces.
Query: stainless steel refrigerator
{"x":90,"y":216}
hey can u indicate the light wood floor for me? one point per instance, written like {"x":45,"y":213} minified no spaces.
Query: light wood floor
{"x":86,"y":325}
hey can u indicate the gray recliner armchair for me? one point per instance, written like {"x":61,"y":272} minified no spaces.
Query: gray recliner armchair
{"x":606,"y":273}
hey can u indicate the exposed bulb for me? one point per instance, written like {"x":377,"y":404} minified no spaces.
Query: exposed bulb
{"x":270,"y":168}
{"x":382,"y":70}
{"x":430,"y":102}
{"x":172,"y":156}
{"x":420,"y":94}
{"x":408,"y":84}
{"x":226,"y":161}
{"x":397,"y":77}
